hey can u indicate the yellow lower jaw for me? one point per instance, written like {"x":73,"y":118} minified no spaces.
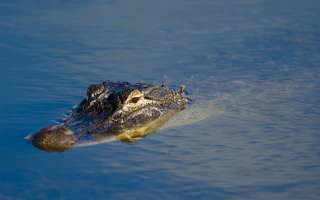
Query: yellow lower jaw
{"x":137,"y":133}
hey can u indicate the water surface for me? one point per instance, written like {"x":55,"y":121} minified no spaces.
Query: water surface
{"x":251,"y":68}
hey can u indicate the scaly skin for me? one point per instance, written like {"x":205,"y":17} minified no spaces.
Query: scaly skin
{"x":127,"y":111}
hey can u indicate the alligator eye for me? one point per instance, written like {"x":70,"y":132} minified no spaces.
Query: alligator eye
{"x":134,"y":100}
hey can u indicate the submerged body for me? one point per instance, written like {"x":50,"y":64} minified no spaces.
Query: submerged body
{"x":120,"y":109}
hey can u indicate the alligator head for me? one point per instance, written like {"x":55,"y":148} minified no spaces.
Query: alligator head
{"x":126,"y":111}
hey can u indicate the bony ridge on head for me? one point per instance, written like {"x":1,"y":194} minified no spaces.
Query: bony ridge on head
{"x":182,"y":88}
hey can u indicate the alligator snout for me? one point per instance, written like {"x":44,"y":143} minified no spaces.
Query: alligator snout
{"x":53,"y":138}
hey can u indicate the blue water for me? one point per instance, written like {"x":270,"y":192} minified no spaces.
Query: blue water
{"x":255,"y":62}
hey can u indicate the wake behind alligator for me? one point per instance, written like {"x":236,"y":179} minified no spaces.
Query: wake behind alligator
{"x":113,"y":110}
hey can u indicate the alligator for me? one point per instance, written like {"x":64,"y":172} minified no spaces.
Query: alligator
{"x":126,"y":111}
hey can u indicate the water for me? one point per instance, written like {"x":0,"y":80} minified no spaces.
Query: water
{"x":250,"y":66}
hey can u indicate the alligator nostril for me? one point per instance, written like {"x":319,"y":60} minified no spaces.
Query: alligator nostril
{"x":54,"y":138}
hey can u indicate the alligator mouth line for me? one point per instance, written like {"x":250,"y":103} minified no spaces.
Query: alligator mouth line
{"x":127,"y":135}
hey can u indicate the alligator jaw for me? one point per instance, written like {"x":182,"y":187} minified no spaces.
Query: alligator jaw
{"x":137,"y":133}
